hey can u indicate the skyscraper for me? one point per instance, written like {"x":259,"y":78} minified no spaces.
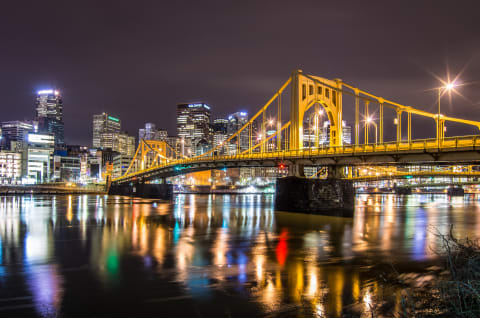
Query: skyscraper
{"x":325,"y":133}
{"x":150,"y":132}
{"x":124,"y":144}
{"x":235,"y":122}
{"x":220,"y":126}
{"x":104,"y":123}
{"x":49,"y":113}
{"x":193,"y":125}
{"x":147,"y":133}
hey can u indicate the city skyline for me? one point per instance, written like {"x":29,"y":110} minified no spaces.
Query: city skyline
{"x":128,"y":61}
{"x":239,"y":158}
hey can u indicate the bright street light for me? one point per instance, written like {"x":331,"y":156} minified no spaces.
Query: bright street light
{"x":369,"y":120}
{"x":448,"y":87}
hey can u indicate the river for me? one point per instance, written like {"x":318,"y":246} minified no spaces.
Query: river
{"x":214,"y":255}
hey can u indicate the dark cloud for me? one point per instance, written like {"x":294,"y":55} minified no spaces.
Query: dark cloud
{"x":137,"y":59}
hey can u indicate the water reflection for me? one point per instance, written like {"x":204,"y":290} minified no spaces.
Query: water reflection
{"x":230,"y":249}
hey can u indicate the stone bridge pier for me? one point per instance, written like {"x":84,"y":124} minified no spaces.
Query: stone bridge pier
{"x":332,"y":196}
{"x":143,"y":190}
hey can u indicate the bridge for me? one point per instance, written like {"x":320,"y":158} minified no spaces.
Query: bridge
{"x":311,"y":130}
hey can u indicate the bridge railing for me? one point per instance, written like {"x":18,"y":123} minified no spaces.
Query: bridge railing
{"x":430,"y":145}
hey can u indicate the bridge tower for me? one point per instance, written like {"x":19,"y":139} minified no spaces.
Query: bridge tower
{"x":306,"y":91}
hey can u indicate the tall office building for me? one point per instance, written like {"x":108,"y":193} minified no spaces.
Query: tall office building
{"x":324,"y":138}
{"x":193,"y":125}
{"x":150,"y":132}
{"x":193,"y":121}
{"x":49,"y":114}
{"x":119,"y":142}
{"x":147,"y":133}
{"x":104,"y":123}
{"x":220,"y":126}
{"x":235,"y":122}
{"x":124,"y":144}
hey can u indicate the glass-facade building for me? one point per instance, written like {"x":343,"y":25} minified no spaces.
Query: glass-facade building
{"x":15,"y":131}
{"x":193,"y":124}
{"x":39,"y":157}
{"x":49,"y":114}
{"x":235,"y":122}
{"x":104,"y":123}
{"x":220,"y":127}
{"x":150,"y":132}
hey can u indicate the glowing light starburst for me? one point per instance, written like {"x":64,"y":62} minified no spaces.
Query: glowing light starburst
{"x":450,"y":83}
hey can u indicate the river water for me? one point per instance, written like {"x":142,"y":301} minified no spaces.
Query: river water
{"x":214,"y":255}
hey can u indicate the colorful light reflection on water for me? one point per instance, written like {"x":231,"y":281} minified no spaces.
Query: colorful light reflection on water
{"x":211,"y":255}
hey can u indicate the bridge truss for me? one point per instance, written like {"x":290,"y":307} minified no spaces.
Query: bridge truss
{"x":312,"y":128}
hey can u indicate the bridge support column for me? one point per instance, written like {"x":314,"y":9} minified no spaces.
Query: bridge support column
{"x":331,"y":196}
{"x":402,"y":190}
{"x":143,"y":190}
{"x":296,"y":170}
{"x":456,"y":191}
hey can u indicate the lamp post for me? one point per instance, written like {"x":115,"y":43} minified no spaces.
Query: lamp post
{"x":448,"y":87}
{"x":369,"y":121}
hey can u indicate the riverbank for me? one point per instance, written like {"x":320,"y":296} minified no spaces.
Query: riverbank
{"x":49,"y":189}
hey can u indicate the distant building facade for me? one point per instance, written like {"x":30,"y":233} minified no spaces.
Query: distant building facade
{"x":16,"y":131}
{"x":10,"y":167}
{"x":220,"y":129}
{"x":325,"y":133}
{"x":150,"y":132}
{"x":39,"y":157}
{"x":193,"y":125}
{"x":120,"y":165}
{"x":49,"y":114}
{"x":235,"y":122}
{"x":104,"y":123}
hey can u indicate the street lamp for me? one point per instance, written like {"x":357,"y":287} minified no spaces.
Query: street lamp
{"x":448,"y":87}
{"x":369,"y":121}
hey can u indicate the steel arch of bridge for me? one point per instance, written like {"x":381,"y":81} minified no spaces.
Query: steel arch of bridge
{"x":287,"y":141}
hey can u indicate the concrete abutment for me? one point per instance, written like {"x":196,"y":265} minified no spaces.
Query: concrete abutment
{"x":332,"y":196}
{"x":143,"y":190}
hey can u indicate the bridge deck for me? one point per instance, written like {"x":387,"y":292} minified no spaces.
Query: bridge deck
{"x":452,"y":149}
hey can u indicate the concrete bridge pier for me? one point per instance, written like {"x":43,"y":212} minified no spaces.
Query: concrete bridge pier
{"x":332,"y":196}
{"x":402,"y":190}
{"x":455,"y":191}
{"x":143,"y":190}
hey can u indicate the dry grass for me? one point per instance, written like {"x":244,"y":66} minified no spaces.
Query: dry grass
{"x":455,"y":293}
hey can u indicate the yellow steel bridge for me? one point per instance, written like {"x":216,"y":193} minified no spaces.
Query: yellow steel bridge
{"x":294,"y":135}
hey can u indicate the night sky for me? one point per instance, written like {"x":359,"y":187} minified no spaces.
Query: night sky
{"x":138,"y":59}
